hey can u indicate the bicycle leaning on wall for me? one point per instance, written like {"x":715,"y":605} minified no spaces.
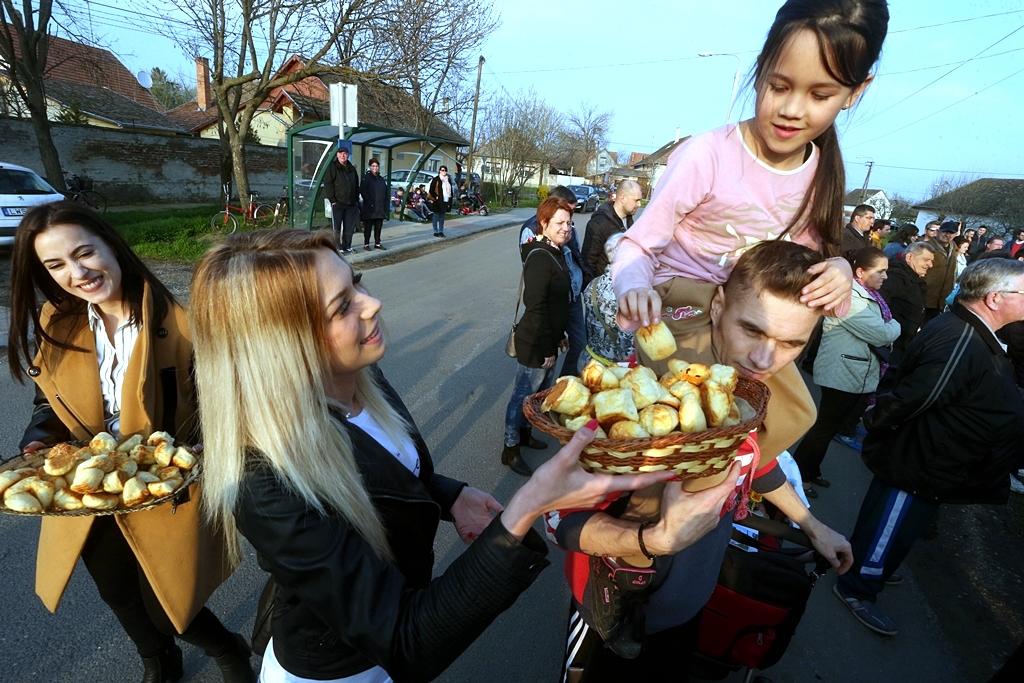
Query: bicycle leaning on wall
{"x":80,"y":190}
{"x":258,"y":215}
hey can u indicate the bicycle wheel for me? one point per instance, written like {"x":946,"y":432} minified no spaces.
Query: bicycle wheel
{"x":264,"y":216}
{"x":224,"y":221}
{"x":93,"y":200}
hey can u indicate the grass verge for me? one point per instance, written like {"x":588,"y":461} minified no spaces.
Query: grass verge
{"x":174,"y":234}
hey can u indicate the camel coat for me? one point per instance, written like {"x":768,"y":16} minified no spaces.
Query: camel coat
{"x":184,"y":560}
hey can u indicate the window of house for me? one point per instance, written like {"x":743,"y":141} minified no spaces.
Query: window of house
{"x":434,"y":164}
{"x":377,"y":154}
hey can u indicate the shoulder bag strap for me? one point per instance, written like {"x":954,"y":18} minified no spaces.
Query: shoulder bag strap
{"x":519,"y":294}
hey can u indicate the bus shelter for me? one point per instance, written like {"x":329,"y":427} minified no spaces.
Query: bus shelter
{"x":310,"y":150}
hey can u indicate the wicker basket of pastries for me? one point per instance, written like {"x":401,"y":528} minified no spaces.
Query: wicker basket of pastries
{"x":691,"y":420}
{"x":100,"y":477}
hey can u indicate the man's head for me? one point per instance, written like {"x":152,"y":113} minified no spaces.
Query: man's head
{"x":564,"y":193}
{"x":1020,"y":236}
{"x":758,"y":322}
{"x":863,"y":218}
{"x":344,"y":151}
{"x":931,"y":229}
{"x":994,"y":244}
{"x":969,"y":234}
{"x":947,"y":231}
{"x":920,"y":256}
{"x":627,"y":197}
{"x":982,"y":229}
{"x":881,"y":228}
{"x":994,"y":290}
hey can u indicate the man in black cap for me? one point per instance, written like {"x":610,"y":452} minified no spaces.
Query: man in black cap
{"x":942,"y":276}
{"x":341,"y":187}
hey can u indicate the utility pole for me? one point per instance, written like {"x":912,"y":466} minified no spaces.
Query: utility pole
{"x":864,"y":190}
{"x":472,"y":128}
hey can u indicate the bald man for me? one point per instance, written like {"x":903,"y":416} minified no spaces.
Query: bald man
{"x":610,"y":218}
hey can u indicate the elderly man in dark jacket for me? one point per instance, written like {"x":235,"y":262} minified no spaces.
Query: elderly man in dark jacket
{"x":942,"y":276}
{"x":374,"y":191}
{"x":610,"y":218}
{"x":950,"y":431}
{"x":906,"y":292}
{"x":341,"y":187}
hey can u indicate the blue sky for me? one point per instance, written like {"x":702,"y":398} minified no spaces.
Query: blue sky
{"x":639,"y":60}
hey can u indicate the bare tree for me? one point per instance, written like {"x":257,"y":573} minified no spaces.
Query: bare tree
{"x":586,"y":131}
{"x":24,"y":47}
{"x":951,"y":197}
{"x":517,"y":136}
{"x":903,"y":210}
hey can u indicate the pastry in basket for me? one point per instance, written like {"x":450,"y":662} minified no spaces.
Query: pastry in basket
{"x":164,"y":453}
{"x":696,"y":373}
{"x":574,"y":424}
{"x":169,"y":472}
{"x":103,"y":443}
{"x":658,"y":419}
{"x":100,"y":462}
{"x":718,"y":403}
{"x":88,"y":480}
{"x":8,"y":479}
{"x":691,"y":413}
{"x":100,"y":501}
{"x":598,"y":377}
{"x":644,"y":385}
{"x":144,"y":455}
{"x":569,"y":397}
{"x":129,"y":467}
{"x":724,"y":376}
{"x":183,"y":459}
{"x":166,"y":487}
{"x":67,"y":500}
{"x":129,"y":444}
{"x":61,"y":459}
{"x":615,"y":405}
{"x":627,"y":429}
{"x":157,"y":438}
{"x":656,"y":341}
{"x":23,"y":502}
{"x":136,"y":492}
{"x":114,"y":481}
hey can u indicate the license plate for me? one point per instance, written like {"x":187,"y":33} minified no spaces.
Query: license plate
{"x":16,"y":211}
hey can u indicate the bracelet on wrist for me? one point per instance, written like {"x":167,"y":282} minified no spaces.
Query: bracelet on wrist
{"x":640,"y":541}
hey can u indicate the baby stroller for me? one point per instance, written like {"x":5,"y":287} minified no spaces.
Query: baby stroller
{"x":758,"y":602}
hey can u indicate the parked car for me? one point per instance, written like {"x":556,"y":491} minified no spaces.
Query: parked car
{"x":587,"y":198}
{"x":602,"y":194}
{"x":20,"y":190}
{"x":401,"y":178}
{"x":474,"y":179}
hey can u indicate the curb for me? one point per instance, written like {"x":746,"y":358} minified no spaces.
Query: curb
{"x":363,"y":256}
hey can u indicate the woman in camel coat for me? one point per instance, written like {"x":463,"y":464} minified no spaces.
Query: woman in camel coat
{"x":114,"y":354}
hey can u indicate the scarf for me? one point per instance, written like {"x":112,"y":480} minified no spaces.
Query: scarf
{"x":886,"y":316}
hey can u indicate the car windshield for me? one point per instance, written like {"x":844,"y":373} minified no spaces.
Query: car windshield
{"x":399,"y":175}
{"x":578,"y":189}
{"x":22,"y":182}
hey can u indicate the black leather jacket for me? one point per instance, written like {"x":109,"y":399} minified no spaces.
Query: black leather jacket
{"x":340,"y":610}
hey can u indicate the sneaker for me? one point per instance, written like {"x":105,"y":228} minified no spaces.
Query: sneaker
{"x":347,"y":251}
{"x":366,"y":247}
{"x":380,"y":246}
{"x":438,"y":234}
{"x":867,"y":613}
{"x":613,"y":604}
{"x":849,"y":442}
{"x":894,"y":580}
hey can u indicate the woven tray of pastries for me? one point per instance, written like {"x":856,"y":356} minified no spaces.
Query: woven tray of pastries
{"x":101,"y":477}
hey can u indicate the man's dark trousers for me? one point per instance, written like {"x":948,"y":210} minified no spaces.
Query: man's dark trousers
{"x":344,"y":220}
{"x":576,"y":328}
{"x":889,"y":523}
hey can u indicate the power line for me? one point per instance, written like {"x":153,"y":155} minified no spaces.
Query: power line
{"x":947,"y":170}
{"x":600,"y":66}
{"x":939,"y":111}
{"x":939,"y":66}
{"x":901,"y":101}
{"x":956,"y":21}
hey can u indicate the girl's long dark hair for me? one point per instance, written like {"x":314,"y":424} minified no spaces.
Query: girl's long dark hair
{"x":28,"y":275}
{"x":850,"y":35}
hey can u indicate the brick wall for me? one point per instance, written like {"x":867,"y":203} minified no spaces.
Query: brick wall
{"x":140,"y":168}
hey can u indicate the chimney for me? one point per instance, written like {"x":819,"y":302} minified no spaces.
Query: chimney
{"x":677,"y":133}
{"x":203,"y":83}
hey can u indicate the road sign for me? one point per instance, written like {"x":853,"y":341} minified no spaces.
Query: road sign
{"x":344,"y":105}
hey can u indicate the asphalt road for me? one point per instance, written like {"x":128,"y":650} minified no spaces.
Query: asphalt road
{"x":447,"y":315}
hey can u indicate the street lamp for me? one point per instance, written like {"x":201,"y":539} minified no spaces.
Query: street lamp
{"x":735,"y":78}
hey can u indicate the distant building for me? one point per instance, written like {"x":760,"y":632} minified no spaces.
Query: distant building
{"x":995,"y":202}
{"x":876,"y":198}
{"x":653,"y":165}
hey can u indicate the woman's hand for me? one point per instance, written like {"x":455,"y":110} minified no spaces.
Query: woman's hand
{"x":473,"y":511}
{"x":561,"y":484}
{"x":548,"y":363}
{"x":33,"y":446}
{"x":831,"y":287}
{"x":687,"y":517}
{"x":642,"y":306}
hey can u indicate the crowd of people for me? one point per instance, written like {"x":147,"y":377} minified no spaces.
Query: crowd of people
{"x":311,"y":455}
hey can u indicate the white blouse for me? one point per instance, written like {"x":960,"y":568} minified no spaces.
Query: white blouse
{"x":113,"y":361}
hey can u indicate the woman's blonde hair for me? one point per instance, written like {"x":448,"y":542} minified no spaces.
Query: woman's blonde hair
{"x":261,"y":355}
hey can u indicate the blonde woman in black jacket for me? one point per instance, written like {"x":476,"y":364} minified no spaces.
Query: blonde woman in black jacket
{"x":315,"y":460}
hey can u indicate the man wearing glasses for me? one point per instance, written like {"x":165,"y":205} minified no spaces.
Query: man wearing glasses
{"x":949,"y":431}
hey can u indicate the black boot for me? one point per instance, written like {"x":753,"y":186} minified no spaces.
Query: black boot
{"x":163,"y":668}
{"x":234,"y":664}
{"x":511,"y":458}
{"x":526,"y":439}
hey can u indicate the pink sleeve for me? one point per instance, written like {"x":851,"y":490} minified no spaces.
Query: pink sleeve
{"x":684,"y":185}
